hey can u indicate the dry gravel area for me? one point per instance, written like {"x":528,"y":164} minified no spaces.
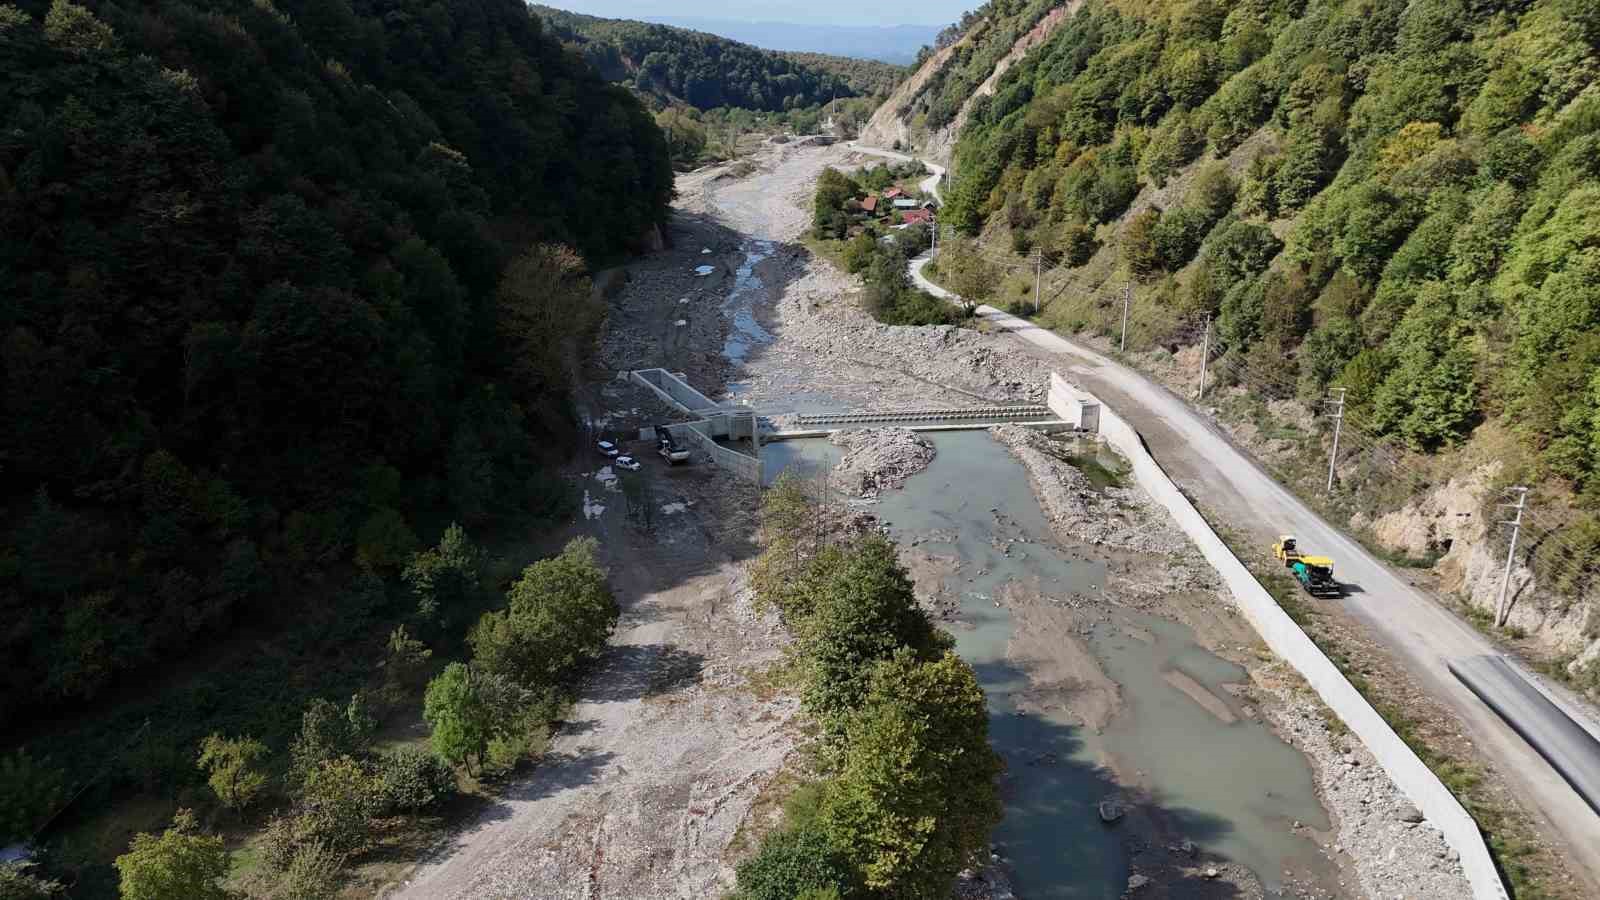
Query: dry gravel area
{"x":879,"y":459}
{"x":1124,"y":518}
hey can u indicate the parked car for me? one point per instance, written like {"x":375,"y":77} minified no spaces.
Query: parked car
{"x":627,"y":462}
{"x":607,"y":448}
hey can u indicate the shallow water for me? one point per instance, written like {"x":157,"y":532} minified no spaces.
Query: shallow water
{"x":1231,"y":788}
{"x":749,"y":289}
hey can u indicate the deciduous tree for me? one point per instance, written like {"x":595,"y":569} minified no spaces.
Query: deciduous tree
{"x":181,"y":862}
{"x":232,"y":770}
{"x":915,"y":800}
{"x":457,"y":715}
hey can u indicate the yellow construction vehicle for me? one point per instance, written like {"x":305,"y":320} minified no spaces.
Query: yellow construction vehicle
{"x":1315,"y":573}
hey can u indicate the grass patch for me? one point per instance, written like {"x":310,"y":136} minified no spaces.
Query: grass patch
{"x":766,"y":811}
{"x":1100,"y":475}
{"x":832,"y":251}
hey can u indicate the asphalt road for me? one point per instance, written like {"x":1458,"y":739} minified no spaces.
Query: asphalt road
{"x":1421,"y":634}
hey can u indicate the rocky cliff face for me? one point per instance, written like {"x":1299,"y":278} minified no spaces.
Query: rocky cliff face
{"x":888,"y":126}
{"x":1457,"y":518}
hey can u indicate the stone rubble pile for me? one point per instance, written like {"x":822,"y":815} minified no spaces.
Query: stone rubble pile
{"x":879,"y":459}
{"x":1124,"y":518}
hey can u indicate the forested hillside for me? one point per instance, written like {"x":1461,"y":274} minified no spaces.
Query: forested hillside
{"x":677,"y":66}
{"x":1402,"y":204}
{"x":259,"y":318}
{"x":866,"y":77}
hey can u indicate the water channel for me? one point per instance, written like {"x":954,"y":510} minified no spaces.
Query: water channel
{"x":748,"y":290}
{"x":1231,"y":788}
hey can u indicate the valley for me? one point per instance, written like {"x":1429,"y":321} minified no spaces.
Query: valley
{"x":1062,"y":650}
{"x":480,"y":450}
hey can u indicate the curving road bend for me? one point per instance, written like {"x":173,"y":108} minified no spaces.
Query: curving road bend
{"x":1423,"y":636}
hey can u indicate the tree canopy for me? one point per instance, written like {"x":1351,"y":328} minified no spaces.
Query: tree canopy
{"x":669,"y":65}
{"x":1406,"y":208}
{"x":253,"y":282}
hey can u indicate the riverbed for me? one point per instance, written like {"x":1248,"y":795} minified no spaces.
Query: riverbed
{"x":1091,"y":700}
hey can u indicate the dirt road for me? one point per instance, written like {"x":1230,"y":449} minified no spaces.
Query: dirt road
{"x":1420,"y":633}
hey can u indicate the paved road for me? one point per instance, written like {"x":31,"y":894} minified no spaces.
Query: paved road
{"x":1421,"y":634}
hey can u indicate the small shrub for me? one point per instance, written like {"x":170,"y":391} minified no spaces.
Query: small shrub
{"x":313,"y":873}
{"x":412,"y":779}
{"x":793,"y":862}
{"x":279,"y":840}
{"x":231,"y":771}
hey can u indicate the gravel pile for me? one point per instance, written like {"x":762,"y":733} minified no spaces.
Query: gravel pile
{"x":1394,"y":850}
{"x":1124,"y":518}
{"x":879,"y":459}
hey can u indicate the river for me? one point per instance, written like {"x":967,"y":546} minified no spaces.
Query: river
{"x":1232,"y":788}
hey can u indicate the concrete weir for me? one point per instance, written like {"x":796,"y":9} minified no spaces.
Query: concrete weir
{"x":741,"y":423}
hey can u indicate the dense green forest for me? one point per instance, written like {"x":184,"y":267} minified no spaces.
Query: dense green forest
{"x":1412,"y":218}
{"x":672,"y":66}
{"x":284,"y":286}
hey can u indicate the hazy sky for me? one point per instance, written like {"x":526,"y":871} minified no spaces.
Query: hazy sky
{"x":816,"y":12}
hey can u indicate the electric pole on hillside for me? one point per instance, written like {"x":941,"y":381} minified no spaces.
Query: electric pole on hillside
{"x":1501,"y":611}
{"x":1338,"y":425}
{"x":1038,"y":274}
{"x":1205,"y":357}
{"x":1127,"y":298}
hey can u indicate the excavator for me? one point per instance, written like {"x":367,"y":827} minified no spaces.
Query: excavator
{"x":1315,"y":573}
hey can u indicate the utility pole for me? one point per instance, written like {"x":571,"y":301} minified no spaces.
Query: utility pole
{"x":1038,"y":274}
{"x":1338,"y":426}
{"x":1127,"y":298}
{"x":1205,"y":357}
{"x":1501,"y":611}
{"x":934,"y":251}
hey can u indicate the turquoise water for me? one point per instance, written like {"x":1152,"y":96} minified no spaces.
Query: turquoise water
{"x":1231,"y":788}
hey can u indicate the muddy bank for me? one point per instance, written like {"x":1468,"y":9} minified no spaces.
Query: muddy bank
{"x":878,"y":459}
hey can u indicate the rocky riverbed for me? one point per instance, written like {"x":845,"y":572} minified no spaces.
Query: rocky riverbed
{"x":879,"y":459}
{"x":1392,"y":848}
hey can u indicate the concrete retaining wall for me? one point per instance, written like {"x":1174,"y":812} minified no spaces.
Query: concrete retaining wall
{"x":1073,"y":405}
{"x":673,"y":390}
{"x":1288,"y":641}
{"x":697,"y":435}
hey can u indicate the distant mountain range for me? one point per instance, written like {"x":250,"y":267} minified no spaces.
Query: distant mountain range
{"x":668,"y":65}
{"x":892,"y":43}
